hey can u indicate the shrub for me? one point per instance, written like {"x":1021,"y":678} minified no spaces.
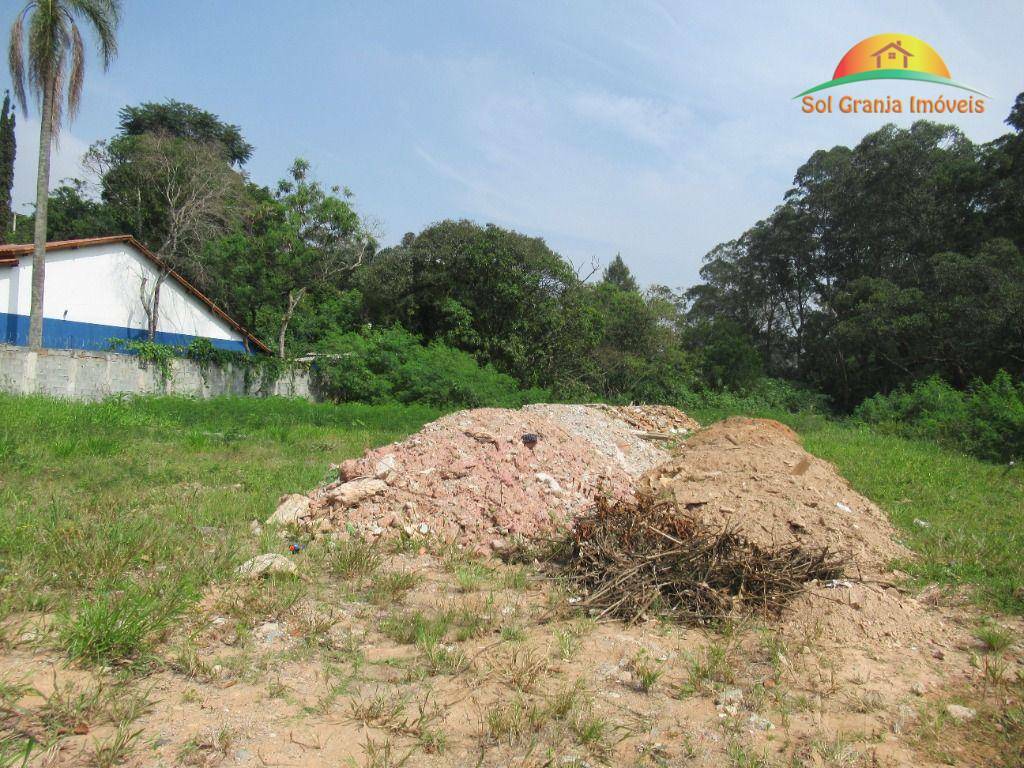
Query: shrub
{"x":391,"y":365}
{"x":986,"y":420}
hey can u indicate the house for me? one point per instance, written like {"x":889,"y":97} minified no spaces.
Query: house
{"x":95,"y":291}
{"x":892,"y":51}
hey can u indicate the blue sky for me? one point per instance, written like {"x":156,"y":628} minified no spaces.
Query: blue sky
{"x":655,"y":129}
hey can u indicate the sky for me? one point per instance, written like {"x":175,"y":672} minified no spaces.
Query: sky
{"x":650,"y":128}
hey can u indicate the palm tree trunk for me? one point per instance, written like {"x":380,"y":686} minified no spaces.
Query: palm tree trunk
{"x":35,"y":326}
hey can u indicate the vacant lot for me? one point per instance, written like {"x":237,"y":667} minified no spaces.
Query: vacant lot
{"x":127,"y":638}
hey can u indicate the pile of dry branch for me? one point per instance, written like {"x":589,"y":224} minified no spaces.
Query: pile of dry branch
{"x":632,"y":560}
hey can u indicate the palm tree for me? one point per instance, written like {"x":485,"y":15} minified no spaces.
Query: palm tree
{"x":55,"y":73}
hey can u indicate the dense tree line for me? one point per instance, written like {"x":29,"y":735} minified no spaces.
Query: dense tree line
{"x":886,"y":263}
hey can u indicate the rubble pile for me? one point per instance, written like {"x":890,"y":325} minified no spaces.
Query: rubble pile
{"x":482,"y":476}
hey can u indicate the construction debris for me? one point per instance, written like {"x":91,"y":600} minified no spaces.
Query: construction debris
{"x":483,"y":476}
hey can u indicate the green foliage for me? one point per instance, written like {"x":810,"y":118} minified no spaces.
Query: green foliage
{"x":70,"y":215}
{"x":986,"y":420}
{"x":391,"y":365}
{"x":160,"y":355}
{"x":8,"y":150}
{"x":112,"y":628}
{"x":863,"y":281}
{"x":185,"y":121}
{"x":261,"y":371}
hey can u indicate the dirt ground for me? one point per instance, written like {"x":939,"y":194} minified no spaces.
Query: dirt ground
{"x":413,"y":650}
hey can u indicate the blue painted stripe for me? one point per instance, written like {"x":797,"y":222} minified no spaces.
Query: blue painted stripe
{"x":68,"y":334}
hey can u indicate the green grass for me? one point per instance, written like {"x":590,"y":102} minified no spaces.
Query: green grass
{"x":110,"y":498}
{"x":973,"y":509}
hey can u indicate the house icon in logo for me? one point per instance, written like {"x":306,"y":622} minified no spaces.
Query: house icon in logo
{"x":893,"y":50}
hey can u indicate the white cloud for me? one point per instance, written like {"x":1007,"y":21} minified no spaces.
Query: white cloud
{"x":645,"y":120}
{"x":65,"y":162}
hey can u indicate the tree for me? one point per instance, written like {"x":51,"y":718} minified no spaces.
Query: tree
{"x":71,"y":214}
{"x":618,"y":274}
{"x":186,"y":121}
{"x":54,"y":71}
{"x":175,"y":195}
{"x":8,"y":149}
{"x":494,"y":293}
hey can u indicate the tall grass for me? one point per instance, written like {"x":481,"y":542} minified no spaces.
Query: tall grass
{"x":113,"y":498}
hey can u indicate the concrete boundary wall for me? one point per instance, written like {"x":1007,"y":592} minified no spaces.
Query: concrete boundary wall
{"x":89,"y":375}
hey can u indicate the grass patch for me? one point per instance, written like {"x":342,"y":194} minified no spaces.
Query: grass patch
{"x":973,"y":509}
{"x":120,"y":627}
{"x":100,"y":498}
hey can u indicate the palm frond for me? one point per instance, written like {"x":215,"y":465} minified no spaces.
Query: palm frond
{"x":16,"y":60}
{"x":76,"y":75}
{"x":56,"y":50}
{"x":104,"y":17}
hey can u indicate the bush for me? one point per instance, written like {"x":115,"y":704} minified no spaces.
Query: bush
{"x":391,"y":365}
{"x":765,"y":397}
{"x":987,"y":420}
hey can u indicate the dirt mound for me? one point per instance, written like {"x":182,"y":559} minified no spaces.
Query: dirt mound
{"x":754,"y":477}
{"x":477,"y":477}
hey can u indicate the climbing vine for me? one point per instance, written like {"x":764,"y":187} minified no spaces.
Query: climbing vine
{"x":261,"y":370}
{"x":160,"y":355}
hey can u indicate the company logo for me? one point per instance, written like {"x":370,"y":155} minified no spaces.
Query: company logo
{"x":892,"y":57}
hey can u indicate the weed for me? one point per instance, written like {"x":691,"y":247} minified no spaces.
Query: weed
{"x":521,"y":669}
{"x":392,"y":587}
{"x":383,"y":755}
{"x":471,"y":576}
{"x":115,"y":749}
{"x":118,"y":628}
{"x":508,"y":722}
{"x":742,"y":756}
{"x":645,"y":671}
{"x":474,"y":620}
{"x":513,"y":634}
{"x":591,"y":730}
{"x":995,"y":638}
{"x":354,"y":558}
{"x":515,"y":578}
{"x":440,"y":659}
{"x":416,"y":627}
{"x":713,"y":665}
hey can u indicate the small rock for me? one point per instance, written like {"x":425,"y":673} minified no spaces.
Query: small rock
{"x":271,"y":562}
{"x":270,"y":632}
{"x":385,"y":468}
{"x":376,"y":530}
{"x":424,"y":529}
{"x":843,"y":507}
{"x":255,"y":528}
{"x":553,"y":485}
{"x":918,"y":689}
{"x":960,"y":713}
{"x":758,"y":723}
{"x":938,"y":654}
{"x":290,"y":510}
{"x":921,"y":523}
{"x":497,"y":545}
{"x":351,"y":493}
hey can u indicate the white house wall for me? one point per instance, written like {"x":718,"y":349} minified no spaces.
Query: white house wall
{"x":93,"y":294}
